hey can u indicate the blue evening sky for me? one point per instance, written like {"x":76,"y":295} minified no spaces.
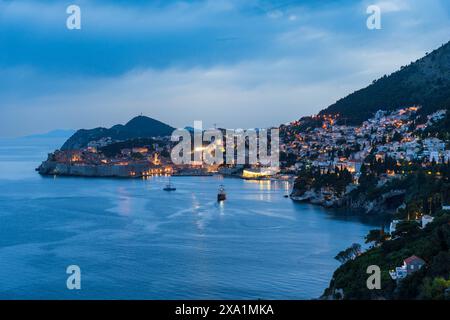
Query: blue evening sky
{"x":237,"y":63}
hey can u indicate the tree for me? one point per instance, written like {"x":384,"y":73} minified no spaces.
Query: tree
{"x":406,"y":228}
{"x":137,"y":156}
{"x":341,"y":257}
{"x":348,"y":254}
{"x":434,"y":289}
{"x":376,"y":236}
{"x":397,"y":136}
{"x":356,"y":249}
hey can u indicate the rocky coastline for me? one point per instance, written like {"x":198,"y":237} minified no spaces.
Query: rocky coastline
{"x":387,"y":203}
{"x":129,"y":171}
{"x":86,"y":170}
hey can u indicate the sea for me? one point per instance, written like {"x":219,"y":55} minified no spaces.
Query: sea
{"x":129,"y":239}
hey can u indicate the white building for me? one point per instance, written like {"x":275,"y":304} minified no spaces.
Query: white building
{"x":426,"y":219}
{"x":410,"y":265}
{"x":393,"y":226}
{"x":399,"y":273}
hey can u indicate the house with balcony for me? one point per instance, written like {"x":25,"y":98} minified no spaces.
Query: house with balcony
{"x":410,"y":265}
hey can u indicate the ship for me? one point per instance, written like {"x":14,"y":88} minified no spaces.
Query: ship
{"x":170,"y":187}
{"x":221,"y":195}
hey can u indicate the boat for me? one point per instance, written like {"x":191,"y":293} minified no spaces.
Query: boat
{"x":221,"y":195}
{"x":170,"y":187}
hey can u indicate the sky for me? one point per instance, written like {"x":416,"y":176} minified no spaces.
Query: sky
{"x":234,"y":63}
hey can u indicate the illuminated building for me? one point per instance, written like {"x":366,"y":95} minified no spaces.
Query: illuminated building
{"x":258,"y":173}
{"x":140,"y":150}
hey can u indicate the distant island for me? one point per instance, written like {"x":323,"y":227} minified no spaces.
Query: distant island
{"x":60,"y":133}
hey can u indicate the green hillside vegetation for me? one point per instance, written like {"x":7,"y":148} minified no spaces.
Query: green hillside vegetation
{"x":138,"y":127}
{"x":426,"y":190}
{"x":440,"y":129}
{"x":116,"y":148}
{"x":336,"y":180}
{"x":431,"y":244}
{"x":425,"y":82}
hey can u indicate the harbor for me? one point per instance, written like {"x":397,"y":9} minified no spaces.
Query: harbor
{"x":157,"y":244}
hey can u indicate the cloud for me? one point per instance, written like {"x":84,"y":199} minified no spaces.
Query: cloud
{"x":393,"y":6}
{"x":259,"y":93}
{"x":276,"y":14}
{"x":232,"y":62}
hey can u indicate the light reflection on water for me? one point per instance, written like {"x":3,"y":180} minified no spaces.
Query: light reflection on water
{"x":134,"y":241}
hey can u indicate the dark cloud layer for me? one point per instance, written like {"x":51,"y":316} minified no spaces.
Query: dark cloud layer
{"x":208,"y":60}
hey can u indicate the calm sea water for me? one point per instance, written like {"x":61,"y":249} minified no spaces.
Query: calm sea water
{"x":134,"y":241}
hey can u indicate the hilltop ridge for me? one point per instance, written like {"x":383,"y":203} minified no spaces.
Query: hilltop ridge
{"x":138,"y":127}
{"x":425,"y":82}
